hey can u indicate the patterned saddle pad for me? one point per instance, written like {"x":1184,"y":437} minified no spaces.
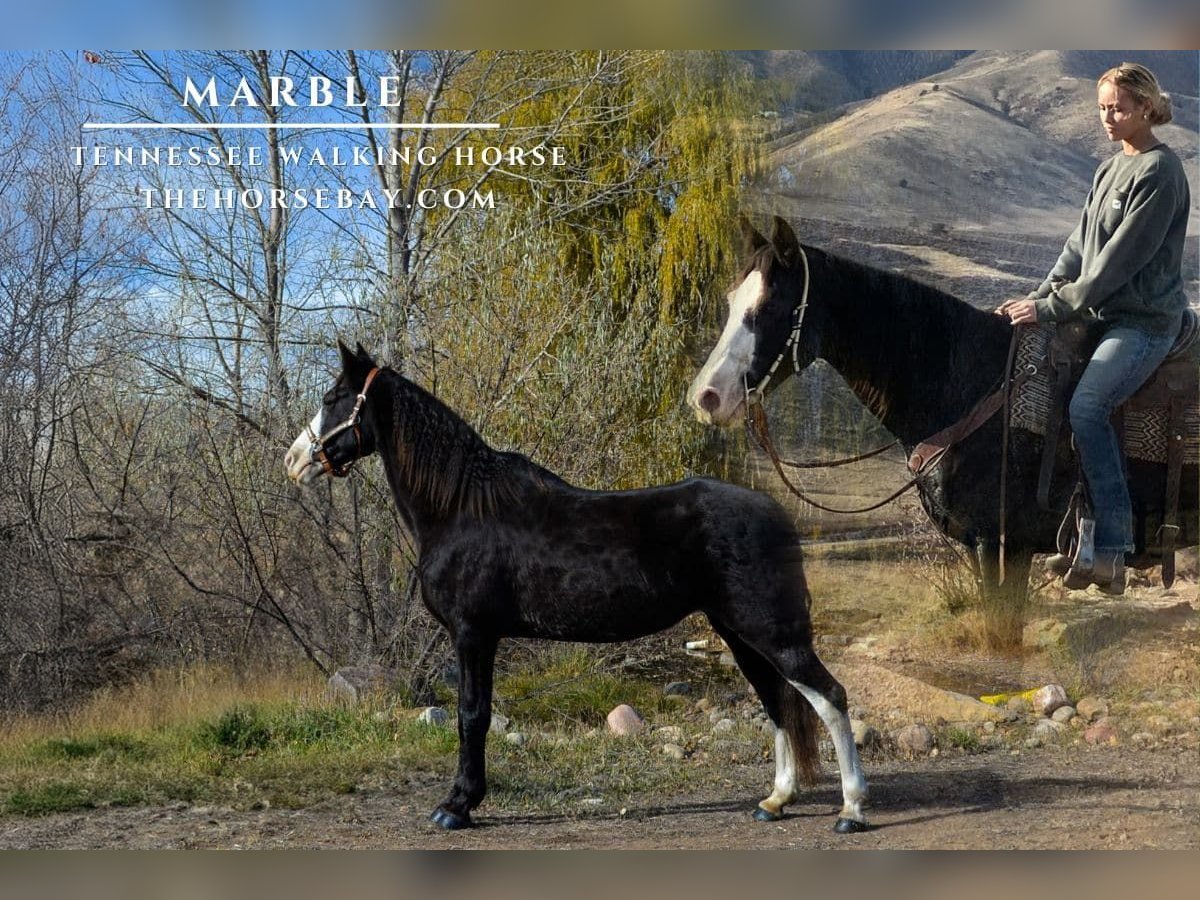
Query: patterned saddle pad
{"x":1145,"y":427}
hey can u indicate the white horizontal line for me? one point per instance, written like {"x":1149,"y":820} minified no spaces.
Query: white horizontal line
{"x":194,"y":126}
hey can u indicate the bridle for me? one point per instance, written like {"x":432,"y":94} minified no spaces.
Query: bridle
{"x":755,"y":394}
{"x":316,"y":450}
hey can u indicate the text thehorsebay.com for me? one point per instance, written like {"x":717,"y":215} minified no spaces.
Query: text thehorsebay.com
{"x":467,"y":151}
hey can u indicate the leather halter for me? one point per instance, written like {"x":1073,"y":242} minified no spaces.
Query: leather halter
{"x":316,"y":451}
{"x":755,"y":394}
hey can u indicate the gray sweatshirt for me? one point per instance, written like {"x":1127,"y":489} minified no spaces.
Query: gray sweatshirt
{"x":1123,"y":262}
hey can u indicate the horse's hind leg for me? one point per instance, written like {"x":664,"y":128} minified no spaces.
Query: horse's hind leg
{"x":771,"y":689}
{"x":476,"y":661}
{"x":809,"y":676}
{"x":790,"y":652}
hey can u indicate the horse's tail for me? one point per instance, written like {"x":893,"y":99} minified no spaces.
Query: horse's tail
{"x":799,"y":721}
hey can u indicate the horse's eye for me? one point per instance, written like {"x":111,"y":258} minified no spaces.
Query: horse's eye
{"x":329,"y":398}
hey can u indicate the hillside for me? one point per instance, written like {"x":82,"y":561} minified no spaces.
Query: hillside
{"x":1000,"y":142}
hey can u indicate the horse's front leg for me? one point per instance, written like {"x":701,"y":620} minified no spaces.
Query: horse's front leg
{"x":476,"y":659}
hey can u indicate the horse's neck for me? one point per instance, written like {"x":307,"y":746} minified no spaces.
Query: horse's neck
{"x":917,"y":361}
{"x":430,"y":457}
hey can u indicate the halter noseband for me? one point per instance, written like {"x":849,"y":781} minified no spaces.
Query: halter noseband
{"x":755,"y":394}
{"x":316,"y":451}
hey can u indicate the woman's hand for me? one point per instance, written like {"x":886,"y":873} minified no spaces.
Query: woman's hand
{"x":1019,"y":311}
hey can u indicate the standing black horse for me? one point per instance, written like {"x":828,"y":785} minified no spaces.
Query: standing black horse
{"x":508,"y":549}
{"x":919,"y":360}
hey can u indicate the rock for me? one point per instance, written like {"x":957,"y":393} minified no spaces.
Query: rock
{"x":716,"y":715}
{"x":1043,"y":633}
{"x":1103,"y":732}
{"x":989,"y":727}
{"x":866,"y":737}
{"x":516,"y":738}
{"x":677,"y":689}
{"x":434,"y":716}
{"x":1143,"y":738}
{"x":1159,"y":726}
{"x":671,"y":733}
{"x":1048,"y":729}
{"x":723,"y":726}
{"x":915,"y":740}
{"x":1018,"y":705}
{"x":1049,"y":698}
{"x":625,"y":720}
{"x":1091,"y":708}
{"x":1064,"y":714}
{"x":876,"y":687}
{"x":353,"y":684}
{"x":674,"y":751}
{"x":499,"y":723}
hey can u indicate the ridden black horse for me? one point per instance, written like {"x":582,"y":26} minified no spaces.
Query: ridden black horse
{"x":508,"y":549}
{"x":919,"y":360}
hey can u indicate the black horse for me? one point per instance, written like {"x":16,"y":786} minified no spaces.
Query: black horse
{"x":508,"y":549}
{"x":919,"y":360}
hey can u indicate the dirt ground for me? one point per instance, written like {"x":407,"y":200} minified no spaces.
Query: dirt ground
{"x":1064,"y":794}
{"x":1074,"y":797}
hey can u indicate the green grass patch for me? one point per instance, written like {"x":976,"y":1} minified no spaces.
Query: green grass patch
{"x":283,"y":754}
{"x":291,"y":753}
{"x":572,"y":690}
{"x":960,"y":738}
{"x":112,"y":747}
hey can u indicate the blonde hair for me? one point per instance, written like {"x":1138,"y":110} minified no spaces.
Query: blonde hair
{"x":1143,"y":87}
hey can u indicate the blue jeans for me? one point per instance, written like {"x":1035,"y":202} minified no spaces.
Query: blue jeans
{"x":1123,"y":361}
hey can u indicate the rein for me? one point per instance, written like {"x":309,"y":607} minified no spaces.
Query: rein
{"x":316,"y":451}
{"x":927,"y":455}
{"x":756,"y":394}
{"x":757,"y":426}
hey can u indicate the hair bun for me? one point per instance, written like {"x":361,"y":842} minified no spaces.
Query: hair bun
{"x":1161,"y":112}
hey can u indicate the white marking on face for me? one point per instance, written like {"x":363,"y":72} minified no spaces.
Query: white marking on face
{"x":718,"y":392}
{"x":854,"y":785}
{"x":298,"y":463}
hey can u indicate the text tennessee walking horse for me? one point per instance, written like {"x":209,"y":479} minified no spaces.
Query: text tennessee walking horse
{"x":508,"y":549}
{"x":919,"y":360}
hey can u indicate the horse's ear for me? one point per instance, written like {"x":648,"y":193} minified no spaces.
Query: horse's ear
{"x":356,"y":363}
{"x":783,"y":239}
{"x":752,"y":241}
{"x":347,"y":355}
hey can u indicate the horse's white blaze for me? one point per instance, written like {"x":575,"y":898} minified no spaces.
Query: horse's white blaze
{"x":729,"y":361}
{"x":854,"y":785}
{"x":300,"y":467}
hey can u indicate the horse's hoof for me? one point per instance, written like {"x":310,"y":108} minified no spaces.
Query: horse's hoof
{"x":765,"y":815}
{"x":450,"y":821}
{"x":850,"y":826}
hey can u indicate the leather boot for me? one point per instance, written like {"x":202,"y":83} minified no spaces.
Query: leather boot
{"x":1107,"y":573}
{"x":1058,"y":564}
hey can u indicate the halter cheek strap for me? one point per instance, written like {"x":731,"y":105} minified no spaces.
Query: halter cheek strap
{"x":316,"y":452}
{"x":755,"y":394}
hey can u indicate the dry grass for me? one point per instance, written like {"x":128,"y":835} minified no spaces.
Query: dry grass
{"x":169,"y":697}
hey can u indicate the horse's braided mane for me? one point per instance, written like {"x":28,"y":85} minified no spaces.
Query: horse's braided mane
{"x":445,"y":462}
